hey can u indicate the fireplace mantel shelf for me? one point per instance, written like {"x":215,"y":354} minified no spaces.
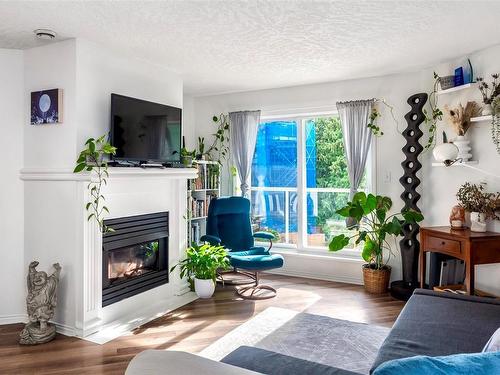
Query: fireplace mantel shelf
{"x":65,"y":174}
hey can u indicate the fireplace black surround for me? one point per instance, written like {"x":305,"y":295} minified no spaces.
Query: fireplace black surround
{"x":134,"y":256}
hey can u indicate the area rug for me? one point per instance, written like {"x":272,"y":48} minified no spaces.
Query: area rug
{"x":334,"y":342}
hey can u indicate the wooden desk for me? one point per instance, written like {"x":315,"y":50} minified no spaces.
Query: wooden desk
{"x":472,"y":247}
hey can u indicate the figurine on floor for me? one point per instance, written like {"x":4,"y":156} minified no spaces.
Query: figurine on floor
{"x":41,"y":302}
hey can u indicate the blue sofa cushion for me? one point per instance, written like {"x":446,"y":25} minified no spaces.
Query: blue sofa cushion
{"x":457,"y":364}
{"x":251,"y":251}
{"x":257,"y":262}
{"x":271,"y":363}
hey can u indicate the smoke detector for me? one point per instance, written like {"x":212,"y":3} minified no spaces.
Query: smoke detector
{"x":45,"y":34}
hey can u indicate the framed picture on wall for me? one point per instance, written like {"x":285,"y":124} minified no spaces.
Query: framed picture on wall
{"x":47,"y":107}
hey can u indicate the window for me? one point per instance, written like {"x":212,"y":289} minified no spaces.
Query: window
{"x":299,"y":179}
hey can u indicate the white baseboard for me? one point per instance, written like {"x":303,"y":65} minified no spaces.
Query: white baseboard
{"x":320,"y":267}
{"x":14,"y":318}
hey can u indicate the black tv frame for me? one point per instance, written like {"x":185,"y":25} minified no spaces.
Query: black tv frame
{"x":138,"y":160}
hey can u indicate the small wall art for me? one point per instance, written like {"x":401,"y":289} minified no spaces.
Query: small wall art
{"x":47,"y":107}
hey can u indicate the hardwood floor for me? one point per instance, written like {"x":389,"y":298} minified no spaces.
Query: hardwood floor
{"x":193,"y":327}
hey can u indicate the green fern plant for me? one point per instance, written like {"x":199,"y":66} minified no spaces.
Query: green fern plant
{"x":92,"y":159}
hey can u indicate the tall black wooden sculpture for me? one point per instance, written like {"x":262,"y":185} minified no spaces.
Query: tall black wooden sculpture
{"x":409,"y":245}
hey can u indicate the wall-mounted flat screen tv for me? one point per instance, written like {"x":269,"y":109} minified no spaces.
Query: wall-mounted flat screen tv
{"x":143,"y":131}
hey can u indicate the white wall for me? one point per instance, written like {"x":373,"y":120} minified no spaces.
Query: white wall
{"x":12,"y":280}
{"x":394,"y":89}
{"x":439,"y":184}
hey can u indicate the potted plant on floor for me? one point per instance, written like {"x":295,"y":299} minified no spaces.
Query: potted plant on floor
{"x":373,"y":227}
{"x":481,"y":205}
{"x":201,"y":264}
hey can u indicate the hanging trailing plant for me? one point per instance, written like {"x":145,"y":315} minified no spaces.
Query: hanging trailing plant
{"x":372,"y":123}
{"x":495,"y":124}
{"x":92,"y":159}
{"x":433,"y":114}
{"x":219,"y":149}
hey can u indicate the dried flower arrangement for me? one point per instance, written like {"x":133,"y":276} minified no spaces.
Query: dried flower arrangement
{"x":495,"y":124}
{"x":473,"y":198}
{"x":489,"y":93}
{"x":459,"y":117}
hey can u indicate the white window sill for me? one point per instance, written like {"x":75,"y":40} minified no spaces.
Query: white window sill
{"x":351,"y":255}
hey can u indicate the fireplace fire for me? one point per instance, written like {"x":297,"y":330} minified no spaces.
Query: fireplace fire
{"x":135,"y":256}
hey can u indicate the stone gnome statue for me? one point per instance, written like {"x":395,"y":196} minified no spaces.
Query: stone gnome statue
{"x":41,"y":302}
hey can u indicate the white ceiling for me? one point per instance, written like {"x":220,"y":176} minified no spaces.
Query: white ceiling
{"x":224,"y":46}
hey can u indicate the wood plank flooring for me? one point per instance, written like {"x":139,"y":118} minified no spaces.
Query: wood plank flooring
{"x":193,"y":327}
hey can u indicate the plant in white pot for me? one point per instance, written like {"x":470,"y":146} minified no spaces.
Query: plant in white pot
{"x":373,"y":226}
{"x":201,"y":264}
{"x":481,"y":205}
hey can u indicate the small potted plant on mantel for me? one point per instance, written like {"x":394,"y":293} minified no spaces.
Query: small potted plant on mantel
{"x":373,"y":226}
{"x":481,"y":205}
{"x":201,"y":264}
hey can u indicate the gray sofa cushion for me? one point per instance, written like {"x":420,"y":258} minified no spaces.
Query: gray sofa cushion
{"x":271,"y":363}
{"x":437,"y":324}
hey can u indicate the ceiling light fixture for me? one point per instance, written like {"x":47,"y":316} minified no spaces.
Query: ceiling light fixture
{"x":45,"y":34}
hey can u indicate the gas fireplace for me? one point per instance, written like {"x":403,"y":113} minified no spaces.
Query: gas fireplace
{"x":135,"y":256}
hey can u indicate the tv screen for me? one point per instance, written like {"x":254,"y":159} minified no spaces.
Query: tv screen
{"x":145,"y":131}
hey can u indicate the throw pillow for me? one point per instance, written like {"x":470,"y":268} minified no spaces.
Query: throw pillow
{"x":493,"y":345}
{"x":457,"y":364}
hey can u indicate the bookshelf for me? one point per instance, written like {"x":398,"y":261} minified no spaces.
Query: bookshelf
{"x":200,"y":193}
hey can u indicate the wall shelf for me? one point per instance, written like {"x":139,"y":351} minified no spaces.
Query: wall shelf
{"x":481,"y":118}
{"x":454,"y":89}
{"x":457,"y":164}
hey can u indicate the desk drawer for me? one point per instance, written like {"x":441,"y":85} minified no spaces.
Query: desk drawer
{"x":451,"y":247}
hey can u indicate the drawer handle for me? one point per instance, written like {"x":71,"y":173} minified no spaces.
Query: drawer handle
{"x":443,"y":243}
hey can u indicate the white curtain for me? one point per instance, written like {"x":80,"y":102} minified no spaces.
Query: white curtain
{"x":244,"y":126}
{"x":354,"y":117}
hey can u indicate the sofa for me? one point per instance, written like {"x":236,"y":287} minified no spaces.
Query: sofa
{"x":431,"y":324}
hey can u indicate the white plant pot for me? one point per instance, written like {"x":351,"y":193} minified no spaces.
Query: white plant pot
{"x":463,"y":145}
{"x":478,"y":222}
{"x":487,"y":110}
{"x":204,"y":288}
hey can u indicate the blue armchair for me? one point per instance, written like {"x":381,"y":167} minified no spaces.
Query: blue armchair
{"x":228,"y":224}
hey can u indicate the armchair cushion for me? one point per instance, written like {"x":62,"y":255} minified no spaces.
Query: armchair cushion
{"x":251,"y":251}
{"x":264,"y":235}
{"x":257,"y":262}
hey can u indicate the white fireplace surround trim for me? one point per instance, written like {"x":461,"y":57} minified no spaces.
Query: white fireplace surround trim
{"x":57,"y":230}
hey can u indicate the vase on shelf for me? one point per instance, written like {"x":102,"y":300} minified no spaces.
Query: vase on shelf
{"x":463,"y":145}
{"x":487,"y":110}
{"x":478,"y":222}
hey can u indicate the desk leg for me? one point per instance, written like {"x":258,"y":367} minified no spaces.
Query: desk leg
{"x":422,"y":268}
{"x":469,"y":277}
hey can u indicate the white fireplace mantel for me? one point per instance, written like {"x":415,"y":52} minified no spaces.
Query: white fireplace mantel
{"x":57,"y":230}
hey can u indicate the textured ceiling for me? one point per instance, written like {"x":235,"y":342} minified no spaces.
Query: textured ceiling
{"x":224,"y":46}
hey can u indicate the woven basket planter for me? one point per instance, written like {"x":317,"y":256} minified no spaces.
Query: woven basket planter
{"x":376,"y":281}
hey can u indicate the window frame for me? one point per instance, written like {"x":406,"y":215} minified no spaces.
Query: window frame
{"x":371,"y":165}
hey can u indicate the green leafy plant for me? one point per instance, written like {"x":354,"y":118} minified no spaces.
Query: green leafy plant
{"x":92,"y":159}
{"x":219,"y":149}
{"x":373,"y":226}
{"x":473,"y":198}
{"x":372,"y":124}
{"x":201,"y":147}
{"x":489,"y":93}
{"x":203,"y":261}
{"x":433,"y":114}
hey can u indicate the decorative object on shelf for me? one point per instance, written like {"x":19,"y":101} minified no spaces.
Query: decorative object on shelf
{"x":373,"y":229}
{"x":92,"y":159}
{"x":468,"y":72}
{"x":186,"y":156}
{"x":495,"y":124}
{"x":409,"y":245}
{"x":460,"y":120}
{"x":447,"y":82}
{"x":433,"y":115}
{"x":201,"y":264}
{"x":200,"y":155}
{"x":488,"y":92}
{"x":457,"y":217}
{"x":481,"y":205}
{"x":458,"y":77}
{"x":446,"y":152}
{"x":41,"y":302}
{"x":47,"y":107}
